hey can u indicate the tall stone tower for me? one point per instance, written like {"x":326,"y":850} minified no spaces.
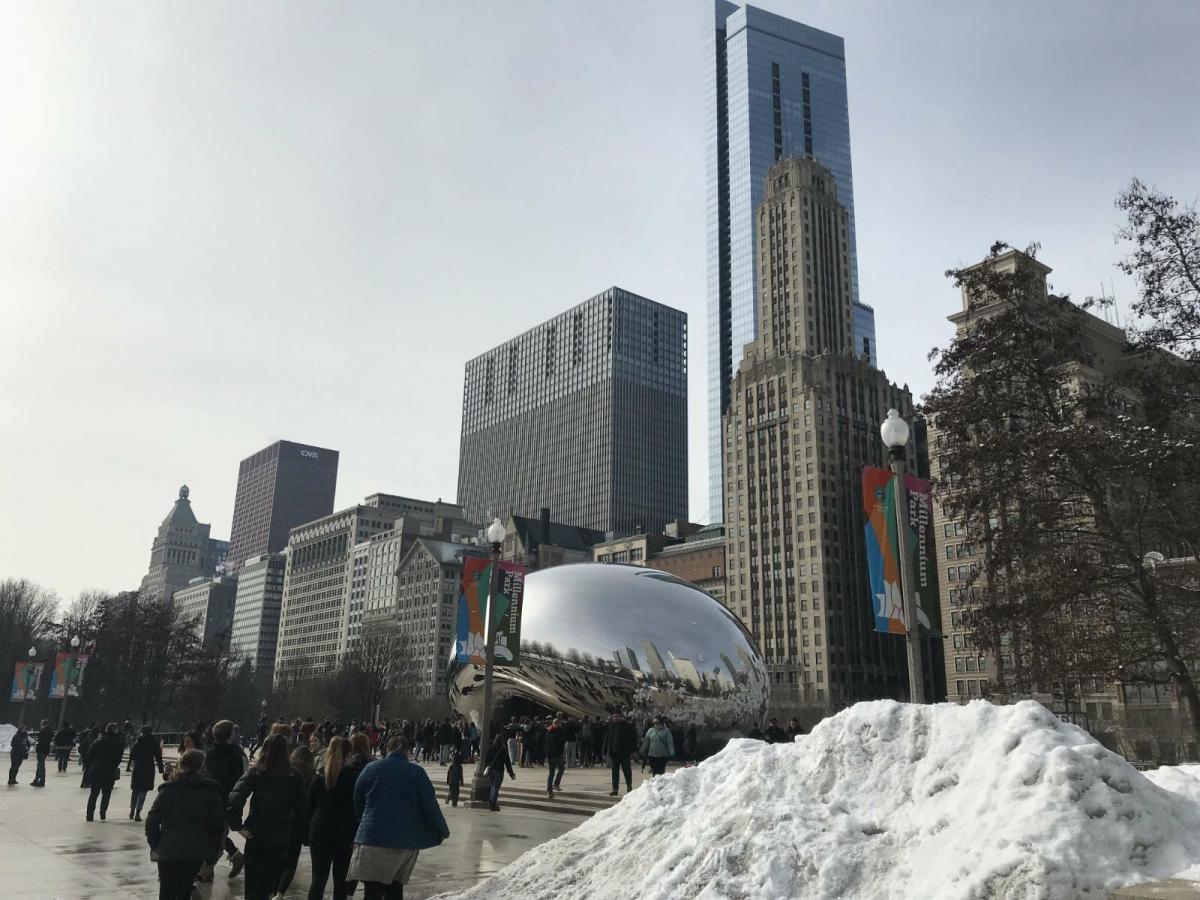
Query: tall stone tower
{"x":803,"y":420}
{"x":182,"y":550}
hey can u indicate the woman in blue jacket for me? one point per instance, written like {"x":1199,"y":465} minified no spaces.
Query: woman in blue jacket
{"x":398,"y":817}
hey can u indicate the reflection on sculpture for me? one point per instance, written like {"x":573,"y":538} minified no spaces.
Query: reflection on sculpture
{"x":599,"y":637}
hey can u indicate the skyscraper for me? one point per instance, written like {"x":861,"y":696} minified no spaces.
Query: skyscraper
{"x":279,"y":487}
{"x":585,"y":414}
{"x":182,"y":550}
{"x":803,"y":420}
{"x":776,"y":88}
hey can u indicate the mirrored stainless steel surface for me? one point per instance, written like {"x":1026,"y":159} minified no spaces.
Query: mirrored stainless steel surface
{"x":598,"y":637}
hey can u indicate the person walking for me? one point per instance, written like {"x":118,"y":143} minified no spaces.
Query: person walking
{"x":278,"y":816}
{"x":44,"y":744}
{"x":264,"y":728}
{"x":570,"y":728}
{"x":89,"y":737}
{"x":445,"y":739}
{"x":496,"y":762}
{"x":185,"y":825}
{"x":454,"y":778}
{"x":103,"y":767}
{"x":64,"y":742}
{"x":225,"y":764}
{"x":398,"y":817}
{"x":144,"y":757}
{"x":620,"y":740}
{"x":18,"y":751}
{"x":658,"y":746}
{"x":555,"y":745}
{"x":304,"y":764}
{"x":585,"y":741}
{"x":332,"y":824}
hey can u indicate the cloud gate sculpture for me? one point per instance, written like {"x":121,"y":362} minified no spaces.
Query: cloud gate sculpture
{"x":597,"y":637}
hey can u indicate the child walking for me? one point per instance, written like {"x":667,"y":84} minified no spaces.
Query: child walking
{"x":454,"y":777}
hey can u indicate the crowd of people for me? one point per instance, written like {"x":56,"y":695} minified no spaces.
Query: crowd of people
{"x":321,"y":784}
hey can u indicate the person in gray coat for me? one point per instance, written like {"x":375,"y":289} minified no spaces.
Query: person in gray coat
{"x":658,"y":746}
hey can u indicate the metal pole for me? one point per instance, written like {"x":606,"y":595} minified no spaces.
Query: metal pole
{"x":481,"y":789}
{"x":916,"y":679}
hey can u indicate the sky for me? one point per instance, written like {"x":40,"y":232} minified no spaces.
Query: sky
{"x":224,"y":223}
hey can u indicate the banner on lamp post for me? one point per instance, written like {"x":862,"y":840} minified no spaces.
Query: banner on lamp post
{"x":67,"y":677}
{"x":477,"y":578}
{"x":883,"y":550}
{"x":507,"y":608}
{"x":27,"y":678}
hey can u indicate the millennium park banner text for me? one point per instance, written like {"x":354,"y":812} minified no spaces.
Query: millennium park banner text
{"x":506,"y":612}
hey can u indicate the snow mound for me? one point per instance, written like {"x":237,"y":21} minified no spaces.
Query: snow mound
{"x":883,"y":800}
{"x":6,"y":733}
{"x":1183,"y":780}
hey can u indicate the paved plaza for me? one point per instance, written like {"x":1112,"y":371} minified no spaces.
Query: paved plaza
{"x":48,"y":851}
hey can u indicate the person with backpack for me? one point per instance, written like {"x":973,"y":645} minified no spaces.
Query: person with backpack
{"x":144,"y":757}
{"x":185,"y":826}
{"x":225,"y":764}
{"x":64,"y":742}
{"x":278,"y":816}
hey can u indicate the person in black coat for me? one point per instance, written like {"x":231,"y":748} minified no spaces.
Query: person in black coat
{"x":145,"y":756}
{"x":774,"y":734}
{"x":18,"y":749}
{"x":497,"y":761}
{"x":332,"y":823}
{"x":64,"y":740}
{"x":85,"y":744}
{"x":620,"y":740}
{"x":45,"y":744}
{"x":185,"y":826}
{"x":103,"y":767}
{"x":278,"y":816}
{"x":225,"y":764}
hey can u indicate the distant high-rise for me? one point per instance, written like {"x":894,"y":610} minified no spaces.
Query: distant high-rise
{"x":255,"y":627}
{"x":279,"y":487}
{"x":585,"y":414}
{"x":776,"y":88}
{"x":182,"y":550}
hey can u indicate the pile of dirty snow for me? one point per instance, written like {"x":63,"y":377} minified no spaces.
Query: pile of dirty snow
{"x":1179,"y":779}
{"x":6,"y":733}
{"x":883,"y":800}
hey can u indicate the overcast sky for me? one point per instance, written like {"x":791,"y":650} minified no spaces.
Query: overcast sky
{"x":226,"y":223}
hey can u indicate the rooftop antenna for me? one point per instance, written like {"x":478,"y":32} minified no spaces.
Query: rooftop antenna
{"x":1116,"y":307}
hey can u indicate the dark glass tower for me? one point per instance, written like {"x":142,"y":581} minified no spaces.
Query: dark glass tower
{"x":279,"y":487}
{"x":585,"y":414}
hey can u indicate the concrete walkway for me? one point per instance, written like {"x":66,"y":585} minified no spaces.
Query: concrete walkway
{"x":48,"y":851}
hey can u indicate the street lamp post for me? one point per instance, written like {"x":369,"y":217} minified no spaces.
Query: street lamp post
{"x":480,"y":789}
{"x":894,"y":432}
{"x":25,"y":689}
{"x":62,"y":710}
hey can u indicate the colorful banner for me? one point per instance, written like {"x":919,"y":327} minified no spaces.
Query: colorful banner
{"x":883,"y":551}
{"x":26,"y":680}
{"x":68,"y":673}
{"x":470,"y":646}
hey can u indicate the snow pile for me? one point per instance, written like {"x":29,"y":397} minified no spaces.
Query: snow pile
{"x":1180,"y":779}
{"x":6,"y":733}
{"x":883,"y":800}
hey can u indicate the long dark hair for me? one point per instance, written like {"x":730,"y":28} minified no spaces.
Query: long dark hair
{"x":191,"y":763}
{"x":273,"y":758}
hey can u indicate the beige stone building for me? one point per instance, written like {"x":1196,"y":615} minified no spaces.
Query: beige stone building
{"x":1141,"y":721}
{"x":803,"y":420}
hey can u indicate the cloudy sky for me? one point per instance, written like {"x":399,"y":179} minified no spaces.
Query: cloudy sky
{"x":224,"y":223}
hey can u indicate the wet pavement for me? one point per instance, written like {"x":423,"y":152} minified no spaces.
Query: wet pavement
{"x":48,"y":851}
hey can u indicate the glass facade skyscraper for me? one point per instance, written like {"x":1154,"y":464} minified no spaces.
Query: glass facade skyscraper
{"x":776,"y":88}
